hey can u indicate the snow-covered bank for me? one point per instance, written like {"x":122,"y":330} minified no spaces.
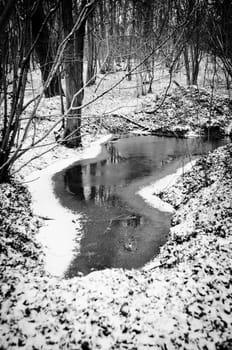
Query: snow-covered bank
{"x":151,"y":192}
{"x":185,"y":304}
{"x":61,"y":225}
{"x":63,"y":229}
{"x":183,"y":301}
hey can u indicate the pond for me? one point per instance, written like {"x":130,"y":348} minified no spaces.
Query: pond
{"x":118,"y":228}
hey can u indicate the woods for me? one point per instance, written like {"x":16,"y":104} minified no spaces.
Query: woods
{"x":131,"y":36}
{"x":115,"y":174}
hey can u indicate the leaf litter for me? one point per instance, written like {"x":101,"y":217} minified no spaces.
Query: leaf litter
{"x":181,"y":299}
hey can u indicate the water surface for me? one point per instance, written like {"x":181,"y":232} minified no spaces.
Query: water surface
{"x":118,"y":228}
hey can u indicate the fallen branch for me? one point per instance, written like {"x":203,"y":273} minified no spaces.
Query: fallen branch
{"x":131,"y":121}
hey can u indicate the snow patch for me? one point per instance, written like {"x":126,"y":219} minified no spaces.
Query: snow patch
{"x":150,"y":193}
{"x":61,"y":224}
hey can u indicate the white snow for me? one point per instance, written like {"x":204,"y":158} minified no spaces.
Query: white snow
{"x":150,"y":192}
{"x":61,"y":225}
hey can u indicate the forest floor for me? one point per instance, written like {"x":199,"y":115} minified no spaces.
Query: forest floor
{"x":175,"y":112}
{"x":181,"y":299}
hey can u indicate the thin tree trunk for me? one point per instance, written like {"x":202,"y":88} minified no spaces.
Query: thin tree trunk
{"x":43,"y":50}
{"x":187,"y":66}
{"x":195,"y":58}
{"x":131,"y":42}
{"x":6,"y":12}
{"x":108,"y":65}
{"x":16,"y":49}
{"x":91,"y":66}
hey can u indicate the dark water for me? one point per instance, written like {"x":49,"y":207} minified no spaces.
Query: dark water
{"x":119,"y":228}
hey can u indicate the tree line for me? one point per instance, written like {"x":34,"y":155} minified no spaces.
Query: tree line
{"x":111,"y":35}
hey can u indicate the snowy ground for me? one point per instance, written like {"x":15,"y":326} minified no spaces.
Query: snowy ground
{"x":61,"y":226}
{"x":183,"y":111}
{"x":180,"y":300}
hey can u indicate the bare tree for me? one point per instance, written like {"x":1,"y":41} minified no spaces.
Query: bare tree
{"x":219,"y":30}
{"x":92,"y":51}
{"x":73,"y":65}
{"x":42,"y":37}
{"x":14,"y":64}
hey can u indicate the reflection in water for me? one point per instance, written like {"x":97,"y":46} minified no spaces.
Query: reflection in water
{"x":78,"y":179}
{"x":73,"y":181}
{"x":119,"y":229}
{"x":114,"y":154}
{"x":98,"y":194}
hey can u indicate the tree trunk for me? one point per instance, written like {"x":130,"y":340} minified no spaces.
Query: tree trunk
{"x":6,"y":12}
{"x":192,"y":58}
{"x":91,"y":67}
{"x":43,"y":50}
{"x":195,"y":64}
{"x":14,"y":63}
{"x":187,"y":65}
{"x":131,"y":43}
{"x":107,"y":35}
{"x":73,"y":65}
